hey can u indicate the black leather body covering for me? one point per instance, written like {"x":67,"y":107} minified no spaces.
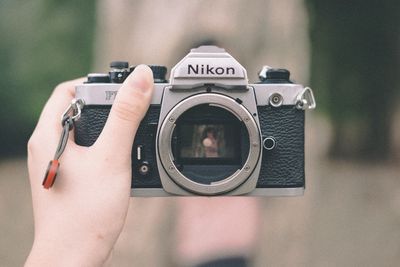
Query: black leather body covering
{"x":282,"y":167}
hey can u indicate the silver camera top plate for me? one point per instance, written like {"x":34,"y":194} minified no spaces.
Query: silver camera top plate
{"x":208,"y":65}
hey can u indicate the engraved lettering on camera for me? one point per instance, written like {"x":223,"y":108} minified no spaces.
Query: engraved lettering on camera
{"x":110,"y":95}
{"x":207,"y":69}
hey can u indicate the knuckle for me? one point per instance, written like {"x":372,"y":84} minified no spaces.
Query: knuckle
{"x":132,"y":106}
{"x":136,"y":92}
{"x":32,"y":144}
{"x":128,"y":111}
{"x":62,"y":88}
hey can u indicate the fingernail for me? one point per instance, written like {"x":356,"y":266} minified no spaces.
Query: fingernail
{"x":141,"y":78}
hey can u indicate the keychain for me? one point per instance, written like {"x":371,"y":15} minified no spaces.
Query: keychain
{"x":71,"y":114}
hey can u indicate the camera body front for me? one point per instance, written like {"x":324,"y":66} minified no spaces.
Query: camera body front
{"x":208,"y":132}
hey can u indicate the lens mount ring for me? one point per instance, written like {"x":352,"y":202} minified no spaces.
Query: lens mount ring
{"x":165,"y":138}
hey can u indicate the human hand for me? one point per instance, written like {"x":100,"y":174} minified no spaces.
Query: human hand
{"x":79,"y":219}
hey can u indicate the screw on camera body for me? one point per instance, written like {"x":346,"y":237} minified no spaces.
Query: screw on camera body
{"x":171,"y":168}
{"x":276,"y":100}
{"x":144,"y":168}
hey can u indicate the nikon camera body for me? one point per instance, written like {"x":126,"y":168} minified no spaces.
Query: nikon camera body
{"x":208,"y":132}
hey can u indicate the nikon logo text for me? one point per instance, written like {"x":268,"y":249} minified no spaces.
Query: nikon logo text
{"x":210,"y":70}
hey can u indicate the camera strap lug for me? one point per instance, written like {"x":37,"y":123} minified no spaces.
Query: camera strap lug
{"x":71,"y":114}
{"x":305,"y":99}
{"x":73,"y":111}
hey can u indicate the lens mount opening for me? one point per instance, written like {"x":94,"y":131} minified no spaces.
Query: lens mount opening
{"x":168,"y":157}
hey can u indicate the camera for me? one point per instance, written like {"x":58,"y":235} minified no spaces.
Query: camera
{"x":208,"y":132}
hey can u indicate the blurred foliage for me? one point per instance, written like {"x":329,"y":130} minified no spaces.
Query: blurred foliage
{"x":355,"y":68}
{"x":43,"y":43}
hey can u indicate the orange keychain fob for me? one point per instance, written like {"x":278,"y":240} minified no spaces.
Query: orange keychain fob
{"x":51,"y":174}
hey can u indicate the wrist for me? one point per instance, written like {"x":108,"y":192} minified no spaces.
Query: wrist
{"x":59,"y":251}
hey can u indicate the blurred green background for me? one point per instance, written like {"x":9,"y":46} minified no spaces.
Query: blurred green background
{"x":42,"y":43}
{"x":348,"y":51}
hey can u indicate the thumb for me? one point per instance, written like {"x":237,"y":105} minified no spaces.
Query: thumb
{"x":127,"y":111}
